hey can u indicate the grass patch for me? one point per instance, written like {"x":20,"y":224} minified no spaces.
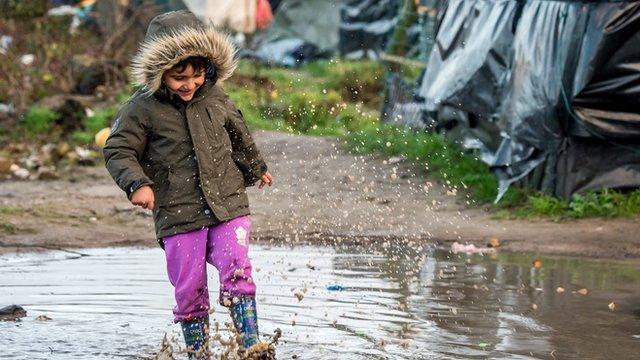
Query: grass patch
{"x":8,"y":228}
{"x":606,"y":204}
{"x":440,"y":159}
{"x":8,"y":210}
{"x":39,"y":120}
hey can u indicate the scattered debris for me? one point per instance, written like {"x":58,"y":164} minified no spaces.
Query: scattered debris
{"x":396,"y":159}
{"x":5,"y":43}
{"x":493,"y":243}
{"x":335,"y":287}
{"x":582,"y":291}
{"x":27,"y":59}
{"x":21,"y":173}
{"x":299,"y":294}
{"x":12,"y":313}
{"x":5,"y":164}
{"x":62,"y":10}
{"x":101,"y":137}
{"x":456,"y":247}
{"x":7,"y":109}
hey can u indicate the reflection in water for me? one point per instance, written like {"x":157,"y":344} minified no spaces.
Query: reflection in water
{"x":398,"y":302}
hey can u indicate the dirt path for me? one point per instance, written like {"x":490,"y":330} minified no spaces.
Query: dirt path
{"x":321,"y":191}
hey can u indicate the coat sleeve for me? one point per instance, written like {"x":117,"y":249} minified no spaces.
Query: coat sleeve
{"x":241,"y":140}
{"x":123,"y":151}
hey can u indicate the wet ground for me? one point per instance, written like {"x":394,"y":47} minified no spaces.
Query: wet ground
{"x":385,"y":303}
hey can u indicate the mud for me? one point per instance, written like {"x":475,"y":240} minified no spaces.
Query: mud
{"x":320,"y":192}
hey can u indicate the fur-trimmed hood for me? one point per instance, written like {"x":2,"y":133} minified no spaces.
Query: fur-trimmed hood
{"x":173,"y":37}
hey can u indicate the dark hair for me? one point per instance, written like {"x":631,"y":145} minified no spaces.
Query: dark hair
{"x":198,"y":63}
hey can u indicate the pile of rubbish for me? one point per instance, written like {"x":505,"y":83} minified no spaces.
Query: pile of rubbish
{"x":29,"y":162}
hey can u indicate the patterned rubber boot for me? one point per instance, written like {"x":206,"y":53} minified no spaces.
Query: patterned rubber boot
{"x":245,"y":320}
{"x":196,"y":337}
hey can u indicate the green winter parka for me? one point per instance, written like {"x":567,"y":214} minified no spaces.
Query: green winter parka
{"x":197,"y":156}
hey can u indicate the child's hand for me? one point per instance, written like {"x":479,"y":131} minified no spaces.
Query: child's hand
{"x":143,"y":197}
{"x":265,"y":179}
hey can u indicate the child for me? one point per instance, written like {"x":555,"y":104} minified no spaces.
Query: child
{"x":181,"y":148}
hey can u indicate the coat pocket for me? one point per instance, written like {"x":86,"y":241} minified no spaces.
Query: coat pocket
{"x":181,"y":188}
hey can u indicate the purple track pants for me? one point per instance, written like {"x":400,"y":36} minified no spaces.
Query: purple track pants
{"x":225,"y":246}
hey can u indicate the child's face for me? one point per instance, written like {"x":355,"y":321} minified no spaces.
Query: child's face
{"x":184,"y":82}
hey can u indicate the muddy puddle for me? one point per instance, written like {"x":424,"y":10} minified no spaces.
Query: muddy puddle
{"x":358,"y":303}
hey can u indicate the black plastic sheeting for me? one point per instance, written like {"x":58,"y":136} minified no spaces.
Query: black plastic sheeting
{"x":366,"y":25}
{"x":548,"y":91}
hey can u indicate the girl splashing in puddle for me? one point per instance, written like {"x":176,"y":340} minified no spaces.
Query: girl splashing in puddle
{"x":181,"y":148}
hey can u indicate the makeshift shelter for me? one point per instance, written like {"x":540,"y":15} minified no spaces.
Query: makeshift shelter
{"x":309,"y":29}
{"x":546,"y":90}
{"x":301,"y":30}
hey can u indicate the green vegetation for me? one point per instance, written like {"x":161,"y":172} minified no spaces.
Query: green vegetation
{"x":442,"y":160}
{"x":42,"y":121}
{"x":39,"y":120}
{"x":322,"y":98}
{"x":606,"y":203}
{"x":93,"y":124}
{"x":342,"y":98}
{"x":8,"y":228}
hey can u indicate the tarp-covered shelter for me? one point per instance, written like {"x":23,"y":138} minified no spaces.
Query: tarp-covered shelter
{"x":548,"y":91}
{"x":309,"y":29}
{"x":301,"y":30}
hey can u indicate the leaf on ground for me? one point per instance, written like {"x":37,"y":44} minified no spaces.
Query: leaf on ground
{"x":582,"y":291}
{"x":494,"y":243}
